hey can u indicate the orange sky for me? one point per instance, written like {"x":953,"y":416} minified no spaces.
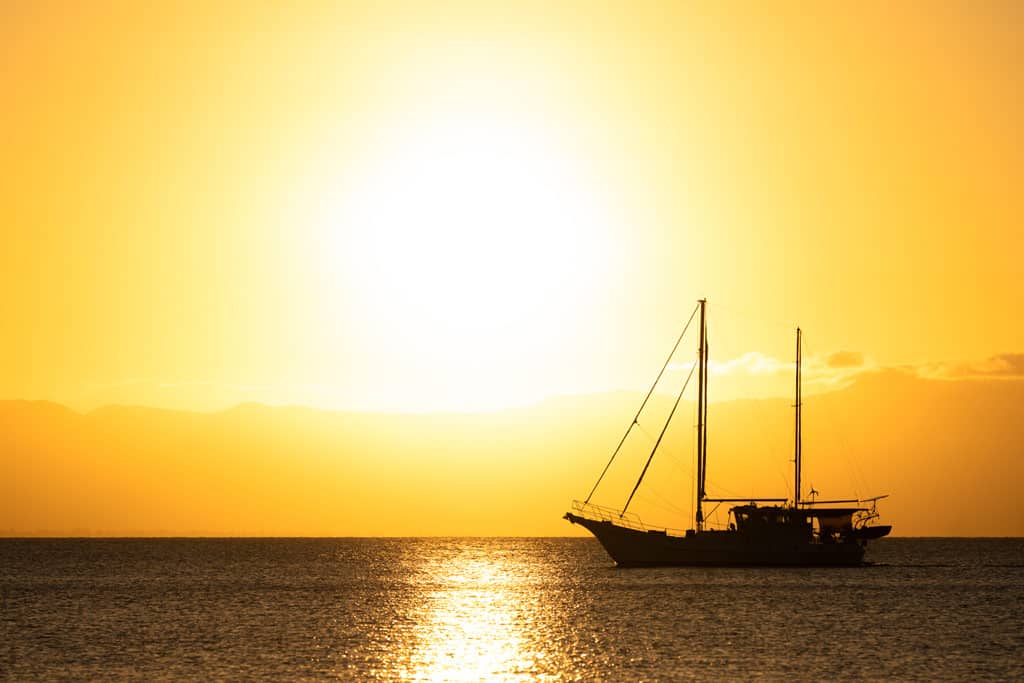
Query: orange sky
{"x":422,"y":206}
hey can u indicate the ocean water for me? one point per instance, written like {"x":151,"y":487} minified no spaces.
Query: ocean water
{"x":499,"y":609}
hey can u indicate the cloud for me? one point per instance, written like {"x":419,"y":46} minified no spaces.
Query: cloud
{"x":837,"y":368}
{"x":836,"y":365}
{"x":845,"y":359}
{"x":754,"y":374}
{"x":1000,"y":366}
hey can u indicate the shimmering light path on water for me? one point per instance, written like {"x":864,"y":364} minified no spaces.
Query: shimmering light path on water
{"x":499,"y":609}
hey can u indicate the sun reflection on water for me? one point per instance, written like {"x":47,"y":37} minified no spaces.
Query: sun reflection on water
{"x":473,"y":624}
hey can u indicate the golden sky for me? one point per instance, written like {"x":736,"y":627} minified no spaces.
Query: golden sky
{"x":438,"y":205}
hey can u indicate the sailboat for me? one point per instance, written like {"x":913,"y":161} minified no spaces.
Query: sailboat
{"x":761,"y":531}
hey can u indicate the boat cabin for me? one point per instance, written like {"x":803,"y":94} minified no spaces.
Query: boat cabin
{"x":770,"y":520}
{"x":827,"y":525}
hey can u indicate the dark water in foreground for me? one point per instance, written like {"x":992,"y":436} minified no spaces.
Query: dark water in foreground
{"x":499,"y":609}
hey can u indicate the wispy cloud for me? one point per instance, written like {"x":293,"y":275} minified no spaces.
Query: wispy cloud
{"x":845,"y":359}
{"x":829,"y":368}
{"x":756,"y":375}
{"x":1000,"y":366}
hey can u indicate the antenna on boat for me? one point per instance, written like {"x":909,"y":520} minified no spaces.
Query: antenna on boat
{"x":797,"y":445}
{"x":702,"y":407}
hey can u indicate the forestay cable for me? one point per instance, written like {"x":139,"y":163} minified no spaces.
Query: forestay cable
{"x":646,"y":398}
{"x":663,"y":430}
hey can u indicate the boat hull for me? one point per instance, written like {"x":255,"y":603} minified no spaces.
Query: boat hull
{"x":634,"y":548}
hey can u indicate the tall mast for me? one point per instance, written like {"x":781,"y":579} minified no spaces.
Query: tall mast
{"x":797,"y":444}
{"x":701,"y":401}
{"x":704,"y":463}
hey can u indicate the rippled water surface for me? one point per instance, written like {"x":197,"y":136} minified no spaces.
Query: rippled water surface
{"x":499,"y":609}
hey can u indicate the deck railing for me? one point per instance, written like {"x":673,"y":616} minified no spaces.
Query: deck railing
{"x":630,"y":520}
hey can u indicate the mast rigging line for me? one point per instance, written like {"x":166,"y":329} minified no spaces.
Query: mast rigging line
{"x":663,"y":430}
{"x":642,"y":405}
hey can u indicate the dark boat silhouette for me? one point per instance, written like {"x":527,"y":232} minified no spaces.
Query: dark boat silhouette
{"x":763,"y":531}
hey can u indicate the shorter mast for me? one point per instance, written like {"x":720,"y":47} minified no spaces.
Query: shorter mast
{"x":701,"y":400}
{"x":797,"y":445}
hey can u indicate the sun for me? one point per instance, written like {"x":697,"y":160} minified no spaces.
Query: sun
{"x":472,"y":240}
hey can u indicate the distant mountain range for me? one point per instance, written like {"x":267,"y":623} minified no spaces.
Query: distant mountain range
{"x":950,"y":453}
